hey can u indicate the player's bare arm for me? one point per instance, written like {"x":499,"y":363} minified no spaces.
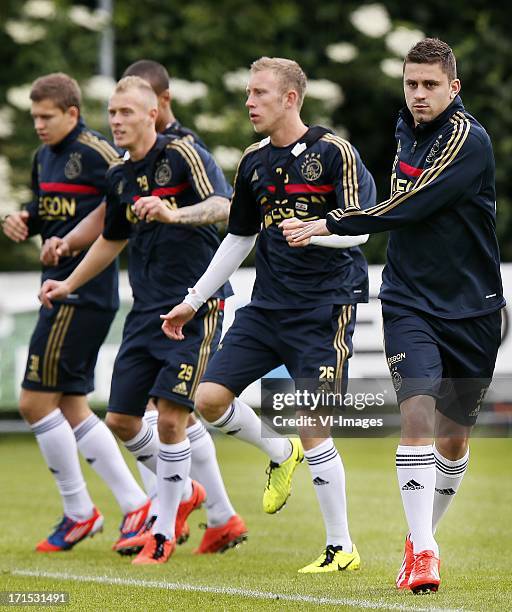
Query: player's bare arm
{"x":52,"y":250}
{"x":332,"y":241}
{"x":214,"y":209}
{"x":15,"y":226}
{"x":297,"y":236}
{"x":175,"y":319}
{"x":79,"y":238}
{"x":101,"y":254}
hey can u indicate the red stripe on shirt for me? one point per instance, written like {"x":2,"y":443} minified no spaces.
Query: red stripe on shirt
{"x":163,"y":191}
{"x":410,"y":170}
{"x":303,"y":188}
{"x":70,"y":188}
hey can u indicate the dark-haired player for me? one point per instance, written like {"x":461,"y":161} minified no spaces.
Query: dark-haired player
{"x":441,"y":292}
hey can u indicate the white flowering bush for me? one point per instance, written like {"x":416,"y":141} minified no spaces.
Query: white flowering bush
{"x":24,"y":32}
{"x":236,"y":80}
{"x":206,"y":122}
{"x":342,"y":52}
{"x":227,"y":157}
{"x":402,"y":39}
{"x":392,"y":67}
{"x":95,"y":20}
{"x":39,"y":9}
{"x":371,"y":19}
{"x":19,"y":96}
{"x":6,"y":122}
{"x":186,"y":92}
{"x":328,"y":92}
{"x":99,"y":87}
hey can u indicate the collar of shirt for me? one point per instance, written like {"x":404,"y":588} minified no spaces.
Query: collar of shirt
{"x":425,"y":129}
{"x":71,"y":136}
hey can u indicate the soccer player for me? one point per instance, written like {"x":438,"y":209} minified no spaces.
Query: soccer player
{"x":302,"y":311}
{"x":224,"y":528}
{"x":158,"y":77}
{"x":170,"y":247}
{"x":68,"y":182}
{"x":441,"y":292}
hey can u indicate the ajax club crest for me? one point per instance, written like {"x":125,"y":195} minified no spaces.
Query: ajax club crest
{"x":163,"y":174}
{"x":311,"y":168}
{"x":73,"y":167}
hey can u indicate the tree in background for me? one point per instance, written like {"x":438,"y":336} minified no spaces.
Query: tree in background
{"x":351,"y":51}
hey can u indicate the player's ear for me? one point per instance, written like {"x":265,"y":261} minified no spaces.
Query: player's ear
{"x":454,"y":88}
{"x":73,"y":112}
{"x":164,"y":97}
{"x":291,"y":98}
{"x":153,"y":112}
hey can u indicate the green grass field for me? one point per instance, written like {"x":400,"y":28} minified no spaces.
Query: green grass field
{"x":475,"y":539}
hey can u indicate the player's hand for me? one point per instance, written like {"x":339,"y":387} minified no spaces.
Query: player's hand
{"x":53,"y":290}
{"x":302,"y":235}
{"x":289,"y":226}
{"x":52,"y":250}
{"x":15,"y":226}
{"x":152,"y":208}
{"x":174,"y":321}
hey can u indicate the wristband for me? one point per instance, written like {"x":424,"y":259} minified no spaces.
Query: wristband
{"x":193,"y":299}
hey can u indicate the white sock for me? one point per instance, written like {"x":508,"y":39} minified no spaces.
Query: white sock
{"x":99,"y":448}
{"x":449,"y":475}
{"x":58,"y":447}
{"x":144,"y":446}
{"x":241,"y":422}
{"x":187,"y":488}
{"x":149,"y":477}
{"x":329,"y":479}
{"x":416,"y":472}
{"x":205,"y":469}
{"x":173,"y":468}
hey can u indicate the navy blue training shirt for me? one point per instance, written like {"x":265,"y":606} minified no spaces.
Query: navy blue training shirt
{"x":165,"y":259}
{"x":328,"y":174}
{"x":443,"y":256}
{"x":68,"y":183}
{"x":176,"y":129}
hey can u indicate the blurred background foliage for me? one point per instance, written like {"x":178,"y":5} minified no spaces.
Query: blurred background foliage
{"x":351,"y":52}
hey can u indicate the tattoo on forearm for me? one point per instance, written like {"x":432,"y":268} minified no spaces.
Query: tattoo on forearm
{"x":212,"y":210}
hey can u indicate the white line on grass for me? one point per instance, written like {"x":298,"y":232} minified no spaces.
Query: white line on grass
{"x":219,"y":590}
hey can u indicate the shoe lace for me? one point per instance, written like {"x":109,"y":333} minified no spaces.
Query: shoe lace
{"x":329,"y":553}
{"x":61,"y":525}
{"x":422,"y":563}
{"x":149,"y":523}
{"x":159,"y":546}
{"x":271,"y":467}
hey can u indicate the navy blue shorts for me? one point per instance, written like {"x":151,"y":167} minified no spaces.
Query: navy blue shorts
{"x":64,"y":348}
{"x":449,"y":359}
{"x":313,"y":344}
{"x":149,"y":364}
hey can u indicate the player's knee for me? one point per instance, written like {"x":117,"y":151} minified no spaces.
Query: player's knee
{"x":211,"y":401}
{"x":172,"y":423}
{"x":452,"y":448}
{"x":124,"y":426}
{"x":31,"y":409}
{"x":418,"y":416}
